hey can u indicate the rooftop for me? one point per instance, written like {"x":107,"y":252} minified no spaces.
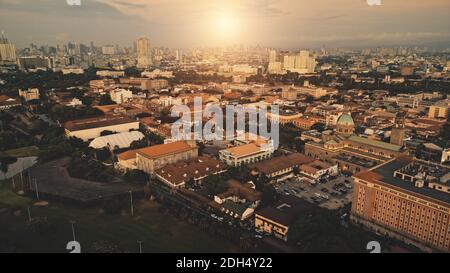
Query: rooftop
{"x":165,"y":149}
{"x":281,"y":162}
{"x":121,"y":140}
{"x":236,"y":188}
{"x":375,"y":143}
{"x":90,"y":123}
{"x":345,"y":119}
{"x":244,"y":150}
{"x":385,"y":174}
{"x":286,"y":210}
{"x":181,"y":172}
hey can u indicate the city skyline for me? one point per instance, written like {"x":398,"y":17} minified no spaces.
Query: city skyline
{"x":281,"y":24}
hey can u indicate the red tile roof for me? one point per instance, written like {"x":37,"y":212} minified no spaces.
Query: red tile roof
{"x":165,"y":149}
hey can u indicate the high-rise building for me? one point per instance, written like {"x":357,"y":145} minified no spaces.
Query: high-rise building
{"x":179,"y":55}
{"x":272,"y":56}
{"x":302,"y":62}
{"x":144,"y":57}
{"x":7,"y":50}
{"x":109,"y":50}
{"x":407,"y":199}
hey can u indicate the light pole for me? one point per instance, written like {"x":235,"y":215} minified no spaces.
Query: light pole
{"x":131,"y":203}
{"x":36,"y":188}
{"x":140,"y":246}
{"x":72,"y":222}
{"x":29,"y":214}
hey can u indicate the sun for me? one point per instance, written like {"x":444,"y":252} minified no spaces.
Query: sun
{"x":225,"y":24}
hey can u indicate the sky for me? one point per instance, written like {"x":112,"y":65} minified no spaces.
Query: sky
{"x":209,"y":23}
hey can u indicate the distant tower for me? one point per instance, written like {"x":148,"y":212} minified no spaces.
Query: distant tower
{"x":144,"y":58}
{"x":398,"y":136}
{"x":7,"y":50}
{"x":345,"y":125}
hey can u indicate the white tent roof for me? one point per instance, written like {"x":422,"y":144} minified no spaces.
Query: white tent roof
{"x":121,"y":140}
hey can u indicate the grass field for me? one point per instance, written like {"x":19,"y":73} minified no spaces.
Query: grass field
{"x":159,"y":232}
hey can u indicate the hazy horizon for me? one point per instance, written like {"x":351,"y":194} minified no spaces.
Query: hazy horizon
{"x":208,"y":23}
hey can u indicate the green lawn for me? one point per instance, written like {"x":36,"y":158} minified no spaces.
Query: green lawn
{"x":159,"y":232}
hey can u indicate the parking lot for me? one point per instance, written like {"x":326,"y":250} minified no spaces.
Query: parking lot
{"x":331,"y":193}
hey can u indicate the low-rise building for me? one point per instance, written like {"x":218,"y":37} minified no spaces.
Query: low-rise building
{"x":8,"y":102}
{"x":440,"y":110}
{"x":30,"y":94}
{"x":177,"y":175}
{"x":281,"y":165}
{"x":120,"y":96}
{"x":247,"y":153}
{"x":90,"y":128}
{"x":318,"y":169}
{"x":277,"y":218}
{"x":239,"y":201}
{"x":116,"y":141}
{"x":155,"y":157}
{"x":110,"y":73}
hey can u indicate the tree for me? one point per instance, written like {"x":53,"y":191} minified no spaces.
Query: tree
{"x":5,"y":162}
{"x":105,"y":99}
{"x":319,"y":127}
{"x":320,"y":230}
{"x":214,"y":184}
{"x":106,"y":133}
{"x":138,"y":144}
{"x":136,"y":176}
{"x":240,"y":173}
{"x":190,"y":183}
{"x":309,"y":99}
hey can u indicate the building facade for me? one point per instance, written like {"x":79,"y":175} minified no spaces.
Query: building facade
{"x":405,"y":199}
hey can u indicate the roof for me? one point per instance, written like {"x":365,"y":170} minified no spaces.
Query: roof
{"x":181,"y":172}
{"x":121,"y":140}
{"x":281,"y":162}
{"x":384,"y":174}
{"x":108,"y":108}
{"x":234,"y":207}
{"x":5,"y":100}
{"x":286,"y":210}
{"x":90,"y":123}
{"x":243,"y":150}
{"x":375,"y":143}
{"x":345,"y":119}
{"x":127,"y":155}
{"x":165,"y":149}
{"x":236,"y":188}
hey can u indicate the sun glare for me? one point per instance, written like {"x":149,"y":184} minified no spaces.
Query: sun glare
{"x":225,"y":24}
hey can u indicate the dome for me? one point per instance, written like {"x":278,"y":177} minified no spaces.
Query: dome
{"x":346,"y":120}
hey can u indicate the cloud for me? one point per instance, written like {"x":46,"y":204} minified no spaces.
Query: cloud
{"x":183,"y":23}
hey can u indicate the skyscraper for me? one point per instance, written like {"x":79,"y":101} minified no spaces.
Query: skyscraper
{"x":302,"y":62}
{"x":144,"y":58}
{"x":272,"y":56}
{"x":7,"y":50}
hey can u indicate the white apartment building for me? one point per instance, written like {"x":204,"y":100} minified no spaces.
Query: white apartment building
{"x":247,"y":153}
{"x":120,"y":96}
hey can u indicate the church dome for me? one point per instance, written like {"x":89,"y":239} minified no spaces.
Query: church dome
{"x":345,"y":120}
